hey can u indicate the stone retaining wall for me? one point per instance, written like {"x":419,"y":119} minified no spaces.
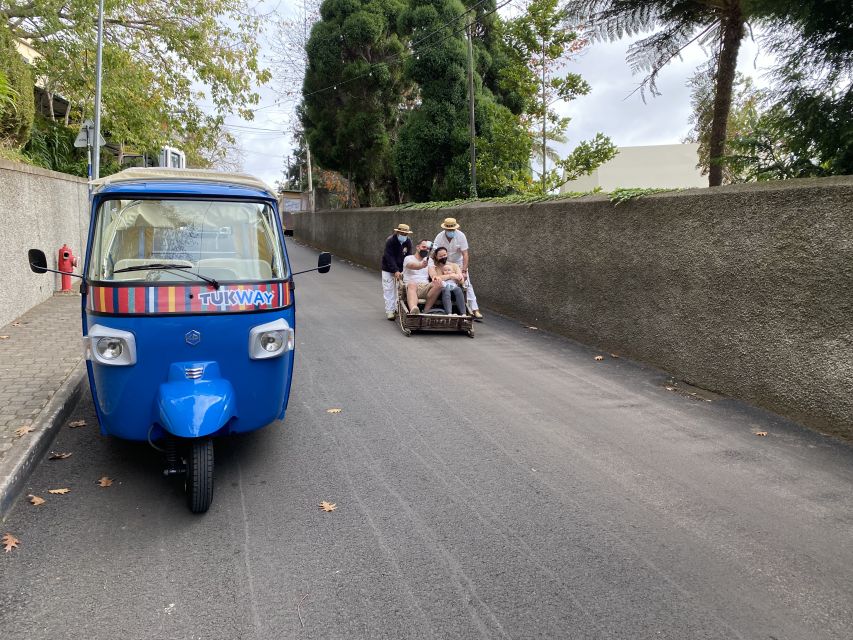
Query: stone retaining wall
{"x":745,"y":290}
{"x":39,"y":209}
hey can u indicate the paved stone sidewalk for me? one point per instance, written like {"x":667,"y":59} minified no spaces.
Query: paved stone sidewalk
{"x":40,"y":355}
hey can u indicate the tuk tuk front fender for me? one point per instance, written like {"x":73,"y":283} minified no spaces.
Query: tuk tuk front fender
{"x":196,"y":401}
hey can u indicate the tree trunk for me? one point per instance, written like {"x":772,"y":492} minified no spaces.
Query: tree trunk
{"x":732,"y":34}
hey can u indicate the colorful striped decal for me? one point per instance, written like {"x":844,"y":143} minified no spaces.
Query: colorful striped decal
{"x":142,"y":300}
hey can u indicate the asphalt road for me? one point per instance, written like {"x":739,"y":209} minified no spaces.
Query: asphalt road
{"x":509,"y":486}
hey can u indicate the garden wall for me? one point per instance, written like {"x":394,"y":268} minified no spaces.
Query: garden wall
{"x":745,"y":290}
{"x":39,"y":209}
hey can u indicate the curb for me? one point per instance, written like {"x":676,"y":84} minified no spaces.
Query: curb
{"x":46,"y":425}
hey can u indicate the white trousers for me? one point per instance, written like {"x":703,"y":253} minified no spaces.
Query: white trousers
{"x":472,"y":298}
{"x":389,"y":292}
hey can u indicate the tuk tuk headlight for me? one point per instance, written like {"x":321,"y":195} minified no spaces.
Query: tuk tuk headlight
{"x":270,"y":340}
{"x":108,"y":346}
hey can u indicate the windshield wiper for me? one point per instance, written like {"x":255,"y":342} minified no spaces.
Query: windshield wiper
{"x":162,"y":266}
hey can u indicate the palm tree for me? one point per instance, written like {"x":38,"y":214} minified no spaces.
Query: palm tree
{"x":674,"y":25}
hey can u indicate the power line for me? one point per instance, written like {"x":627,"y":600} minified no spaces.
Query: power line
{"x":243,"y":127}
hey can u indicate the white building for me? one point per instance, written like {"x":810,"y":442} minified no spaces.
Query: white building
{"x":668,"y":166}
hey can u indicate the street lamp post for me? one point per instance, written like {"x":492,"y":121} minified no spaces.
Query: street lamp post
{"x":96,"y":161}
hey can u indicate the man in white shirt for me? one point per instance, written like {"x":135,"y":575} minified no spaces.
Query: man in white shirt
{"x":417,"y":280}
{"x":452,"y":239}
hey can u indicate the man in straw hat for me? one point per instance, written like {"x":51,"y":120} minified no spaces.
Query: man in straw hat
{"x":452,"y":239}
{"x":397,"y":246}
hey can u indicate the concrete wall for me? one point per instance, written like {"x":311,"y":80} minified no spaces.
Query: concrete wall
{"x":746,"y":290}
{"x":39,"y":209}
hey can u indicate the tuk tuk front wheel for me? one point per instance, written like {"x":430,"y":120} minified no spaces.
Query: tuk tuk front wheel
{"x":199,"y":482}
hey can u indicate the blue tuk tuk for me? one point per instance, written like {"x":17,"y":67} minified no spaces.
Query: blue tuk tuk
{"x":188,"y":313}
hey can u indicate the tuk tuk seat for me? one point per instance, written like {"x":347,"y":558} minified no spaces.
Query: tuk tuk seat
{"x":244,"y":268}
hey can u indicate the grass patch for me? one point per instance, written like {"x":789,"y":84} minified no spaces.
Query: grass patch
{"x":14,"y":156}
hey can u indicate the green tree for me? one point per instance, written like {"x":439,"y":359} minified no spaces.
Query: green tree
{"x":162,"y":58}
{"x":743,"y":117}
{"x":543,"y":41}
{"x":432,"y":158}
{"x":720,"y":24}
{"x":810,"y":136}
{"x":17,"y":106}
{"x":430,"y":155}
{"x":807,"y":129}
{"x":352,"y":88}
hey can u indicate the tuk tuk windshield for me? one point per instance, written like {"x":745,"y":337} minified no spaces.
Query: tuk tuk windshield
{"x":186,"y":240}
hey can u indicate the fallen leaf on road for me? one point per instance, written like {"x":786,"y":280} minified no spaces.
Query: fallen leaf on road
{"x":105,"y":482}
{"x":20,"y":432}
{"x":761,"y":433}
{"x":4,"y":337}
{"x":9,"y":542}
{"x":36,"y":500}
{"x":333,"y":410}
{"x":62,"y":455}
{"x":328,"y":506}
{"x":77,"y":423}
{"x":59,"y":492}
{"x":599,"y":358}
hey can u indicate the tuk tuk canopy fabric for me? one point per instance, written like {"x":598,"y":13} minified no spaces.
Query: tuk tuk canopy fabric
{"x":162,"y":174}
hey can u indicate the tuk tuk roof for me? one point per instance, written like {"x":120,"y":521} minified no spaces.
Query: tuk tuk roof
{"x":172,"y":177}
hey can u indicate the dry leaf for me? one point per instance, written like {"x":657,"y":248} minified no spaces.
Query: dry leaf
{"x":105,"y":482}
{"x":599,"y":358}
{"x":761,"y":433}
{"x":77,"y":423}
{"x":36,"y":500}
{"x":59,"y":455}
{"x":20,"y":432}
{"x":4,"y":337}
{"x":59,"y":492}
{"x":328,"y":506}
{"x":9,"y":542}
{"x":333,"y":410}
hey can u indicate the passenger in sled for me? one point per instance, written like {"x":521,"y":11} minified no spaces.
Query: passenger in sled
{"x":425,"y":280}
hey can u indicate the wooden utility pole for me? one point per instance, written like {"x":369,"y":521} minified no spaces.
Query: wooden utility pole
{"x":471,"y":126}
{"x":310,"y":179}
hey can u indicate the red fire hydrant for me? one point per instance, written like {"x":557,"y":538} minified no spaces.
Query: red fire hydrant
{"x":67,"y":261}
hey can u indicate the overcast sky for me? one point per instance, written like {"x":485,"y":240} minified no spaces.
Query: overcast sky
{"x":608,"y":108}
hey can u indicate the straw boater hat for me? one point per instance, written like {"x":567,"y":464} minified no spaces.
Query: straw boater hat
{"x":450,"y":224}
{"x":404,"y":229}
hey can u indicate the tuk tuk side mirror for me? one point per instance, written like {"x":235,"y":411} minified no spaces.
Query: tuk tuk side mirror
{"x":324,"y":262}
{"x":37,"y":260}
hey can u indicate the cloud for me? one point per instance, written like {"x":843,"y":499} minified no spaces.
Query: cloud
{"x":614,"y":110}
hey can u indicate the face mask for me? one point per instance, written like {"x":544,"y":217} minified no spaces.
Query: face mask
{"x":450,"y":234}
{"x":402,"y":239}
{"x":423,"y":253}
{"x":441,"y":260}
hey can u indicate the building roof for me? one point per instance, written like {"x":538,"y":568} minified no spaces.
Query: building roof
{"x":164,"y":175}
